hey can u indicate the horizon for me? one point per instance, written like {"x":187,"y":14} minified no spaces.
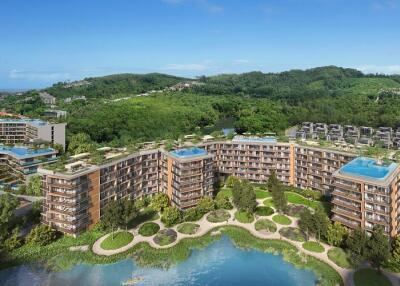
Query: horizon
{"x":51,"y":42}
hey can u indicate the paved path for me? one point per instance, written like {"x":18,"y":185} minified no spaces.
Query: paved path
{"x":206,"y":226}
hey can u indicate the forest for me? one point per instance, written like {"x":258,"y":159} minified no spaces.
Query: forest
{"x":254,"y":102}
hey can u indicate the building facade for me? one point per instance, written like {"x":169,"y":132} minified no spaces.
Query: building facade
{"x":13,"y":131}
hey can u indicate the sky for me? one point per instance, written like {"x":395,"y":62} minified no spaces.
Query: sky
{"x":47,"y":41}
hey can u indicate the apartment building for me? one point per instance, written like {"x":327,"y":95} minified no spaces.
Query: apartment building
{"x":13,"y":131}
{"x":18,"y":163}
{"x":335,"y":132}
{"x":384,"y":135}
{"x":366,"y":194}
{"x":306,"y":130}
{"x":351,"y":134}
{"x":320,"y":131}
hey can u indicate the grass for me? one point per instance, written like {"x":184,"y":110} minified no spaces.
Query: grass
{"x":149,"y":229}
{"x":218,"y":216}
{"x":370,"y":277}
{"x":188,"y":228}
{"x":313,"y":246}
{"x":293,"y":233}
{"x":269,"y":203}
{"x":261,"y":194}
{"x":281,"y":219}
{"x":119,"y":240}
{"x":165,"y":237}
{"x":56,"y":256}
{"x":340,"y":257}
{"x":244,"y":216}
{"x":265,"y":224}
{"x":146,"y":214}
{"x":264,"y":211}
{"x":300,"y":200}
{"x":225,"y":192}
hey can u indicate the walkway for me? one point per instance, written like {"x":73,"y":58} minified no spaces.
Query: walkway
{"x":206,"y":226}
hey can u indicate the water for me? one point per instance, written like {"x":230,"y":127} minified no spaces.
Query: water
{"x":24,"y":151}
{"x":366,"y":167}
{"x":221,"y":263}
{"x":189,"y":152}
{"x":269,"y":139}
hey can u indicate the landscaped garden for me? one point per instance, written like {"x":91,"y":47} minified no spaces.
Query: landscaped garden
{"x":244,"y":217}
{"x":261,"y":194}
{"x":268,"y":202}
{"x":281,"y":219}
{"x":188,"y":228}
{"x":294,"y":210}
{"x":165,"y":237}
{"x":264,"y":211}
{"x":295,"y":198}
{"x":218,"y":216}
{"x":149,"y":229}
{"x":293,"y":234}
{"x":265,"y":225}
{"x":340,"y":257}
{"x":313,"y":246}
{"x":370,"y":277}
{"x":117,"y":240}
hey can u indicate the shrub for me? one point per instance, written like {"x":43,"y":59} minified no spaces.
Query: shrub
{"x":165,"y":237}
{"x":13,"y":241}
{"x":293,"y":233}
{"x":264,"y":211}
{"x":244,"y":216}
{"x":313,"y":246}
{"x":223,"y":202}
{"x":188,"y":228}
{"x":340,"y":257}
{"x":192,"y":214}
{"x":281,"y":219}
{"x":218,"y":216}
{"x":171,"y":216}
{"x":205,"y":205}
{"x":149,"y":229}
{"x":265,"y":224}
{"x":41,"y":235}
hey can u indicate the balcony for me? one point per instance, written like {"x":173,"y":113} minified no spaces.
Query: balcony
{"x":347,"y":204}
{"x":347,"y":222}
{"x":347,"y":195}
{"x":347,"y":213}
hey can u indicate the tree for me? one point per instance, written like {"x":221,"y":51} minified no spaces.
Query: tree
{"x":160,"y":202}
{"x":205,"y":205}
{"x":306,"y":221}
{"x":244,"y":197}
{"x":222,"y":202}
{"x":34,"y":187}
{"x":378,"y":248}
{"x":13,"y":241}
{"x":336,"y":233}
{"x":113,"y":216}
{"x":279,"y":198}
{"x":41,"y":235}
{"x":192,"y":214}
{"x":272,"y":181}
{"x":321,"y":222}
{"x":80,"y":143}
{"x":231,"y":181}
{"x":8,"y":204}
{"x":356,"y":243}
{"x":171,"y":216}
{"x":130,"y":211}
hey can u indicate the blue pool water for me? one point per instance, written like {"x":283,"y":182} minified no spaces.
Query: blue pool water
{"x":366,"y":167}
{"x":35,"y":122}
{"x":189,"y":152}
{"x":23,"y":151}
{"x":219,"y":264}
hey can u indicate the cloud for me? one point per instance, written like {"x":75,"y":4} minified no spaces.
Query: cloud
{"x":38,"y":75}
{"x":390,"y":69}
{"x":203,"y":4}
{"x":381,"y":5}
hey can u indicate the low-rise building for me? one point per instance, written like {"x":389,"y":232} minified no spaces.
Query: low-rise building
{"x":335,"y":132}
{"x":320,"y":131}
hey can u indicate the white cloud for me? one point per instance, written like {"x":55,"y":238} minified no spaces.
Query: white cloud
{"x":390,"y":69}
{"x":38,"y":75}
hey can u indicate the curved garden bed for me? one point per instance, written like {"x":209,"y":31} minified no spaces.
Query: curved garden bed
{"x":313,"y":246}
{"x":149,"y":229}
{"x":265,"y":225}
{"x":338,"y":256}
{"x":244,"y":217}
{"x":188,"y":228}
{"x":293,"y":233}
{"x":281,"y":219}
{"x":264,"y":211}
{"x":218,"y":216}
{"x":117,"y":240}
{"x":165,"y":237}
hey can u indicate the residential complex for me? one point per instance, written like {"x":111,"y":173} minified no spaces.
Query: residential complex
{"x":13,"y":131}
{"x":18,"y":163}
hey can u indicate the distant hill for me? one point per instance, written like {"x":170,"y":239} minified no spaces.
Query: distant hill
{"x":113,"y":85}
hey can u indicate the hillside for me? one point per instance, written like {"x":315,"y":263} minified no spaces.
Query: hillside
{"x":114,"y":85}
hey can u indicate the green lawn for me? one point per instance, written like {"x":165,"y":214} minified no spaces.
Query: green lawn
{"x":313,"y":246}
{"x":300,"y":200}
{"x":218,"y":216}
{"x":264,"y":211}
{"x":188,"y":228}
{"x":225,"y":192}
{"x":281,"y":219}
{"x":268,"y":202}
{"x":120,"y":239}
{"x":261,"y":194}
{"x":149,"y":229}
{"x":265,"y":224}
{"x":370,"y":277}
{"x":244,"y":217}
{"x":146,"y":214}
{"x":340,"y":257}
{"x":293,"y":233}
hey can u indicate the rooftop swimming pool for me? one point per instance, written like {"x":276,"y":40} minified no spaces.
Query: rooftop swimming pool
{"x":269,"y":139}
{"x":35,"y":122}
{"x":21,"y":152}
{"x":189,"y":152}
{"x":368,"y":168}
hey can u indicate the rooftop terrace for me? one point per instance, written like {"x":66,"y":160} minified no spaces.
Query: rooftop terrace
{"x":25,"y":152}
{"x":35,"y":122}
{"x":368,"y":168}
{"x":269,"y":139}
{"x":188,"y":152}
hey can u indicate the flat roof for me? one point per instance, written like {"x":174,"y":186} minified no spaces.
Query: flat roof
{"x":35,"y":122}
{"x":368,"y":168}
{"x":189,"y":152}
{"x":268,"y":139}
